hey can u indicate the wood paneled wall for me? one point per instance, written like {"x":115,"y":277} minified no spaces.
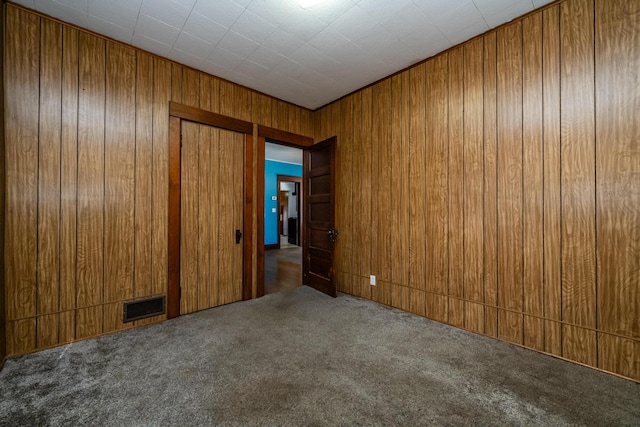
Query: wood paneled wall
{"x":496,"y":187}
{"x":3,"y":339}
{"x":87,"y":128}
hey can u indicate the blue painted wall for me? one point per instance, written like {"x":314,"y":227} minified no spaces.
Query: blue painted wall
{"x":271,"y":171}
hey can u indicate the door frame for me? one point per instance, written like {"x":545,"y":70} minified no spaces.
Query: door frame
{"x":296,"y":179}
{"x":178,"y":113}
{"x":282,"y":138}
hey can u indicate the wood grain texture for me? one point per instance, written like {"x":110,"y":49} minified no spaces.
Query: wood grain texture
{"x":617,"y":186}
{"x":344,"y":201}
{"x":68,"y":176}
{"x":473,"y":215}
{"x":189,"y":233}
{"x":237,"y":140}
{"x":509,"y":169}
{"x":490,"y":186}
{"x":191,"y":88}
{"x":436,"y":181}
{"x":21,"y":336}
{"x":143,"y":207}
{"x":49,"y":179}
{"x":91,"y":159}
{"x":160,"y":177}
{"x":456,"y":186}
{"x":214,"y":219}
{"x":21,"y":63}
{"x":374,"y":148}
{"x":533,"y":197}
{"x":578,"y":180}
{"x":619,"y":355}
{"x":205,"y":145}
{"x":406,"y":180}
{"x":226,"y":229}
{"x":119,"y":173}
{"x":47,"y":330}
{"x":174,"y":223}
{"x":551,"y":166}
{"x":384,"y":183}
{"x":356,"y":192}
{"x":89,"y":321}
{"x":365,"y":188}
{"x":417,"y":204}
{"x":473,"y":173}
{"x":396,"y":180}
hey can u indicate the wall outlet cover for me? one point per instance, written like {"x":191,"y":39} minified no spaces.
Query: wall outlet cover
{"x":372,"y":280}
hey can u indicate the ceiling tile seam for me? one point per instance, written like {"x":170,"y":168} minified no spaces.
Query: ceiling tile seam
{"x":183,"y":24}
{"x":481,"y":14}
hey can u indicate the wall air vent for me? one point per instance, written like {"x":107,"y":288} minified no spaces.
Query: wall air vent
{"x":136,"y":310}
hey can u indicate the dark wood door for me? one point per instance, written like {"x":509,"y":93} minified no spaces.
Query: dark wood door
{"x":319,"y":214}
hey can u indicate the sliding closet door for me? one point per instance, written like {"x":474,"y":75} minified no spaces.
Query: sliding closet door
{"x":211,"y":238}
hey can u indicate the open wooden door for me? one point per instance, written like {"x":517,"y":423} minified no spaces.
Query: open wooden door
{"x":319,"y":213}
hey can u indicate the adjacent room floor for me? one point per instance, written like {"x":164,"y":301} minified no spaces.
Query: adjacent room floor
{"x":301,"y":358}
{"x":282,"y":269}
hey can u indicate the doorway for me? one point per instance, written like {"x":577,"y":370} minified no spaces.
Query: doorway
{"x":283,"y":192}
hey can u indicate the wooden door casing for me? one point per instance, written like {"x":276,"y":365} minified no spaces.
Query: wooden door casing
{"x":319,"y":189}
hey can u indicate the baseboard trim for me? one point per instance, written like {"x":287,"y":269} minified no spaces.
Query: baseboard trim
{"x":271,"y":247}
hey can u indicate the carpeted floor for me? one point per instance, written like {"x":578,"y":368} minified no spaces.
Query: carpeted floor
{"x":302,"y":358}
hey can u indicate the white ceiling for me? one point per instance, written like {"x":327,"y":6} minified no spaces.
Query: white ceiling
{"x":281,"y":153}
{"x":307,"y":56}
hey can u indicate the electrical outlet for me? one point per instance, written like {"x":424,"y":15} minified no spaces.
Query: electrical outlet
{"x":372,"y":280}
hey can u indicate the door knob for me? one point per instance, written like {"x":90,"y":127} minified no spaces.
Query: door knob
{"x":333,"y":234}
{"x":238,"y":236}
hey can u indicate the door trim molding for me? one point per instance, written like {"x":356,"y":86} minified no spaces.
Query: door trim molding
{"x":291,"y":140}
{"x":205,"y":117}
{"x":298,"y":179}
{"x":178,"y":113}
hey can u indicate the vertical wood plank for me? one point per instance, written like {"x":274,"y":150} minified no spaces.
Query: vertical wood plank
{"x":533,"y":157}
{"x":417,"y":243}
{"x":345,"y":197}
{"x":436,"y":195}
{"x":49,"y":179}
{"x":160,"y":177}
{"x":143,"y":175}
{"x":509,"y":168}
{"x":204,"y":202}
{"x":242,"y":103}
{"x":357,"y":194}
{"x":68,"y":179}
{"x":490,"y":187}
{"x":473,"y":173}
{"x":396,"y":181}
{"x":578,"y":180}
{"x":176,"y":82}
{"x":456,"y":186}
{"x":552,"y":203}
{"x":227,"y":96}
{"x":215,"y":215}
{"x":119,"y":174}
{"x":374,"y":148}
{"x":406,"y":179}
{"x":226,"y":230}
{"x":88,"y":322}
{"x":189,"y":218}
{"x":384,"y":182}
{"x":618,"y":168}
{"x":91,"y":128}
{"x":21,"y":336}
{"x":191,"y":87}
{"x":365,"y":188}
{"x":21,"y":64}
{"x":237,"y":141}
{"x":47,"y":330}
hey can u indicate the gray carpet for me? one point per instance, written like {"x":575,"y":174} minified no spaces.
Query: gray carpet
{"x":301,"y":358}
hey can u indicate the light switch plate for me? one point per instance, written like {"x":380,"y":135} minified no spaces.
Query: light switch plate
{"x":273,"y":210}
{"x":275,"y":198}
